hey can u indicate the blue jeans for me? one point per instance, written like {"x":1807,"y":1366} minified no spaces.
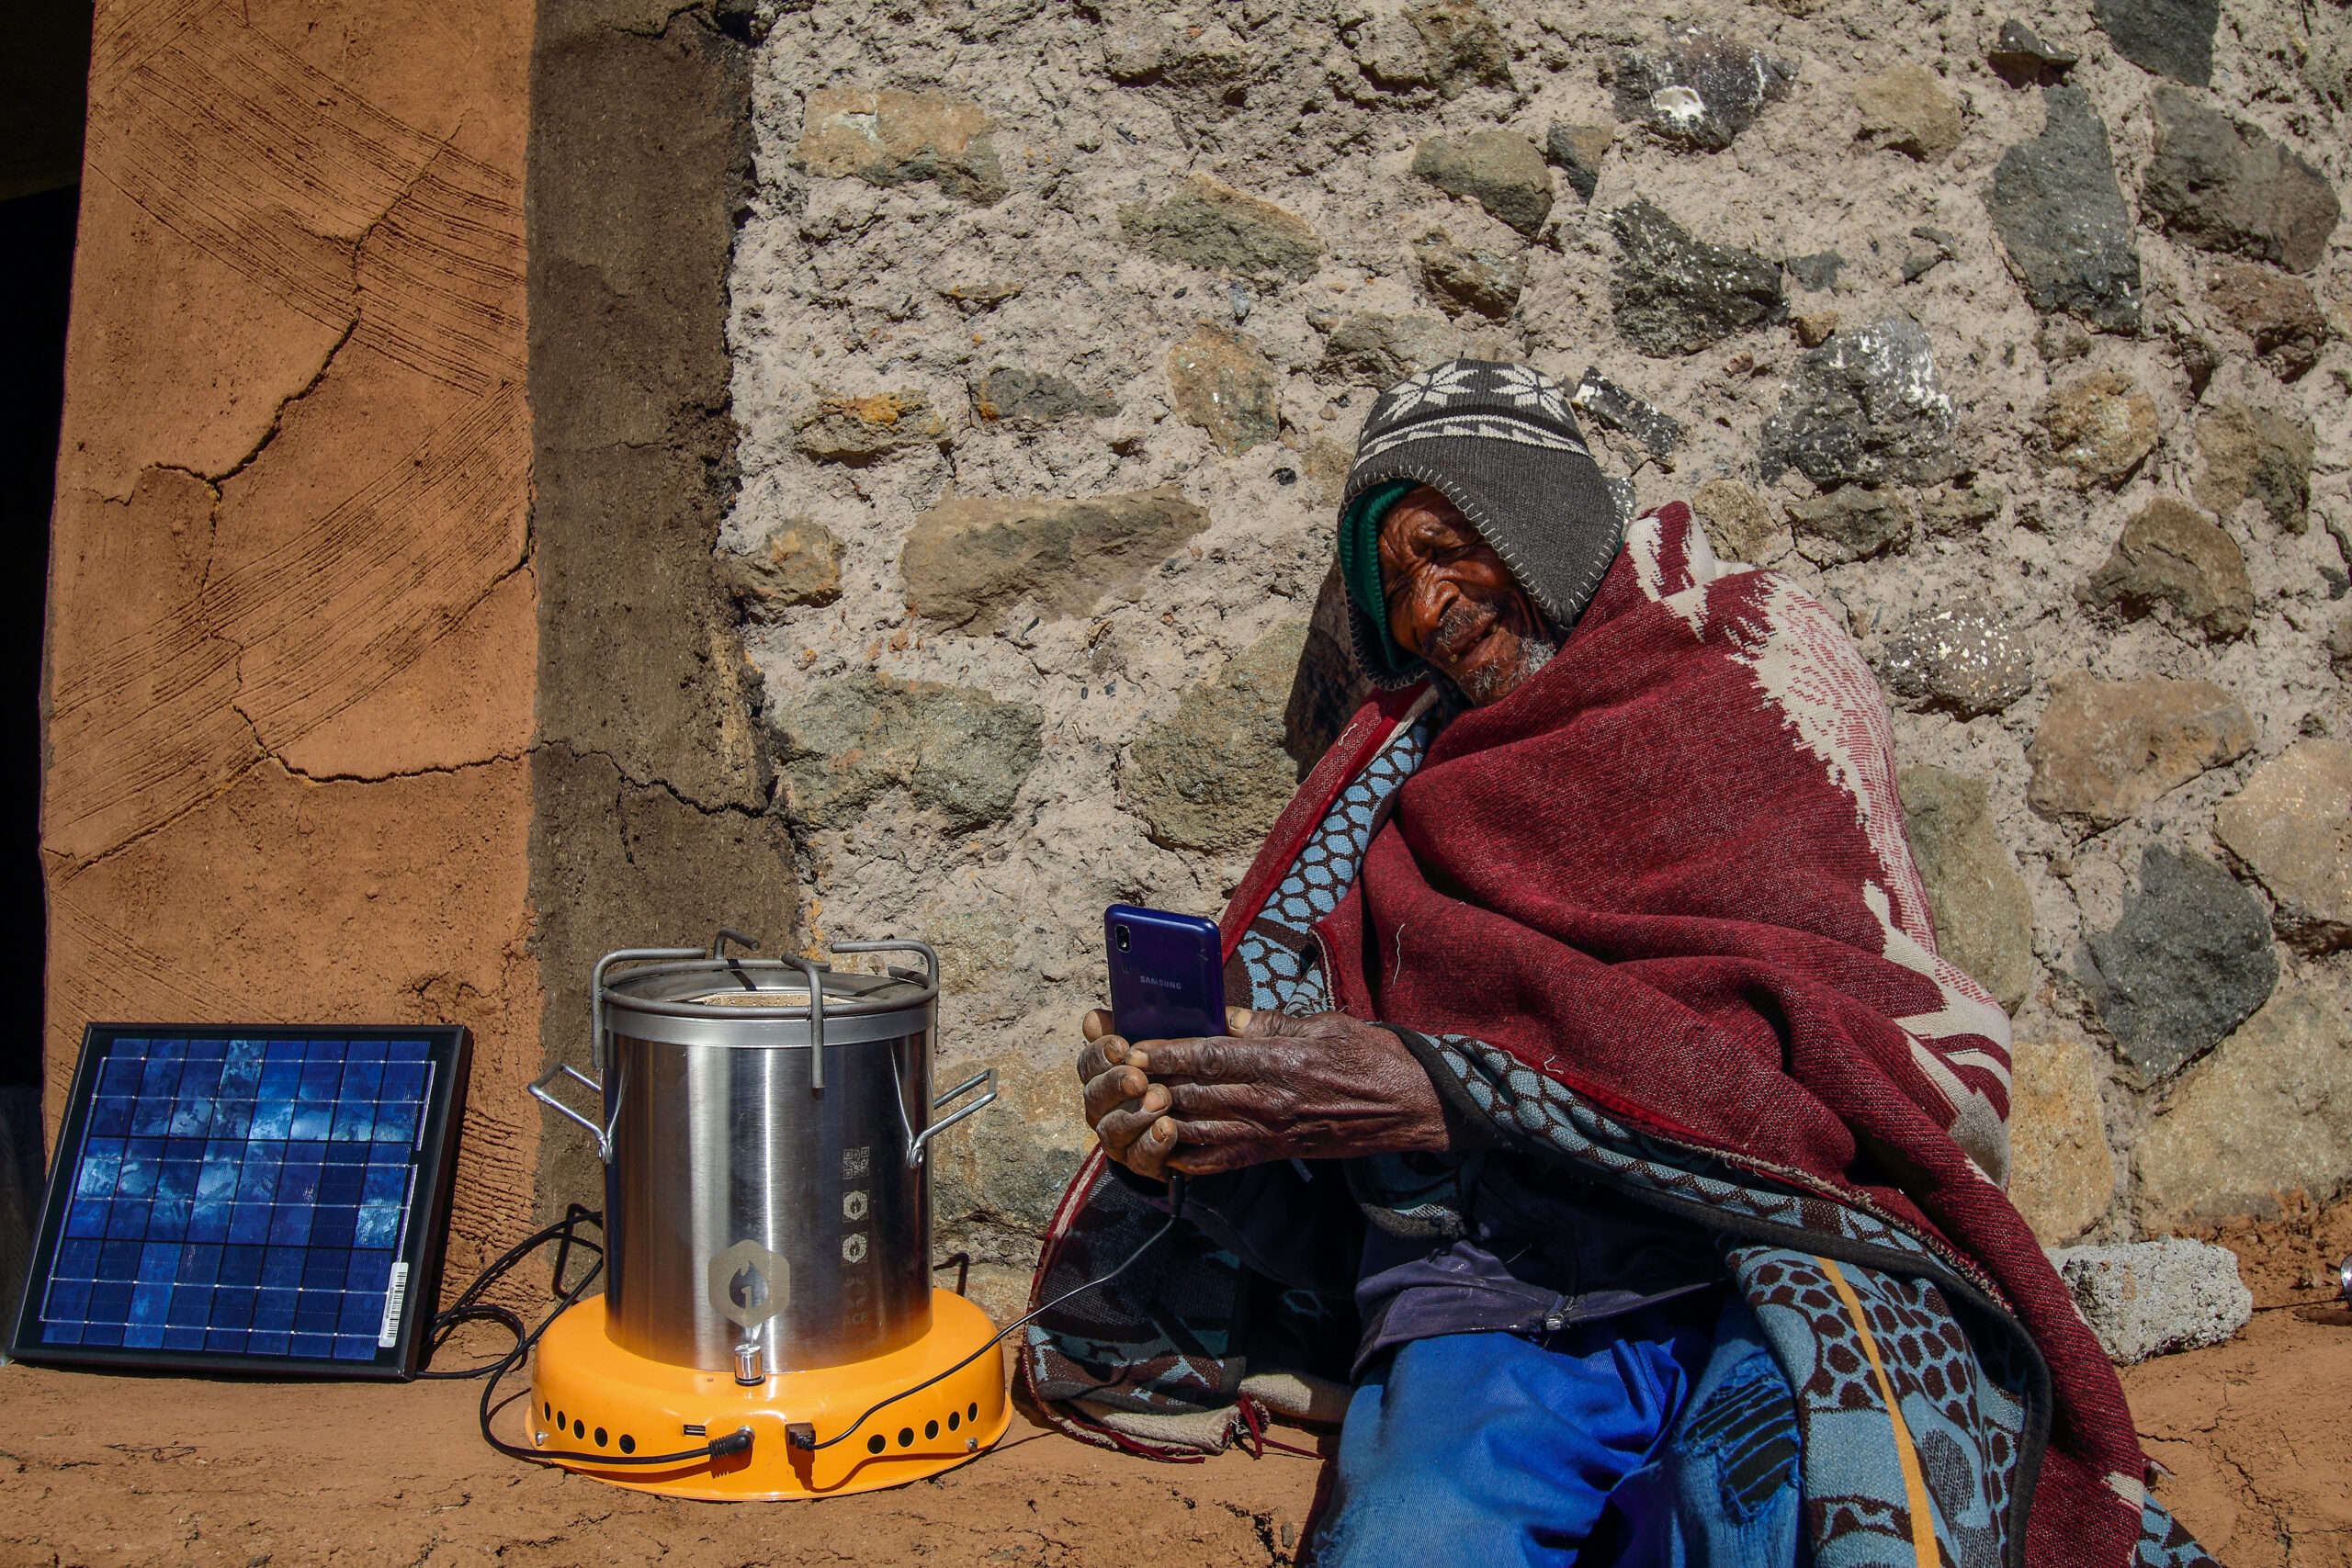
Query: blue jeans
{"x":1665,"y":1437}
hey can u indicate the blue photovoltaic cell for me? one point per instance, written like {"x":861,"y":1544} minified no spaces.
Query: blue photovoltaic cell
{"x":244,"y":1196}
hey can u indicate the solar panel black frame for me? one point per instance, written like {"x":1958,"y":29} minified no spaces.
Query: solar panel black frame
{"x":432,"y":1160}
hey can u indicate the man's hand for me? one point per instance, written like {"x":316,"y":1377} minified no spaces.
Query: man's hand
{"x":1328,"y":1087}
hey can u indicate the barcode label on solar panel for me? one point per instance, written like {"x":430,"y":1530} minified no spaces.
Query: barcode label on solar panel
{"x":388,"y":1334}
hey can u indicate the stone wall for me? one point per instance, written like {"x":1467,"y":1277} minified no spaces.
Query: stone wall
{"x":2017,"y":336}
{"x":288,"y":769}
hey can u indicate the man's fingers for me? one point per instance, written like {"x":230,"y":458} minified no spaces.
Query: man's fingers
{"x":1096,"y":1024}
{"x":1100,"y":1056}
{"x":1148,"y":1155}
{"x":1123,"y":1088}
{"x":1140,"y":1140}
{"x":1209,"y":1132}
{"x":1212,"y":1060}
{"x":1223,"y":1102}
{"x":1266,"y":1023}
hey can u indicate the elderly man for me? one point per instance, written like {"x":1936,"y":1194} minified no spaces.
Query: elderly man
{"x":1604,"y":1142}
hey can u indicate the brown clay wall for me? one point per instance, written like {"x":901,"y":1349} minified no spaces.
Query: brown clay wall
{"x":292,"y":605}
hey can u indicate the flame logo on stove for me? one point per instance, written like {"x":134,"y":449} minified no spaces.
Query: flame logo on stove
{"x":748,"y":1289}
{"x":749,"y":1284}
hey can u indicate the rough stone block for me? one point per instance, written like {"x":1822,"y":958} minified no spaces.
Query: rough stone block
{"x":2276,"y":310}
{"x":2171,"y":38}
{"x":2168,"y":553}
{"x":1673,"y":294}
{"x":1619,"y":410}
{"x":1471,"y":277}
{"x":1852,"y":523}
{"x":2189,"y":959}
{"x":1224,"y":383}
{"x":1578,"y":151}
{"x":1702,"y":90}
{"x":2024,"y":60}
{"x":2258,"y":452}
{"x":2291,"y":826}
{"x":2106,"y":749}
{"x":1739,"y":525}
{"x":2270,"y":1111}
{"x":2061,"y":219}
{"x":799,"y":563}
{"x":2101,"y":426}
{"x":1216,"y":776}
{"x":858,"y":429}
{"x":1452,"y":46}
{"x":1908,"y":108}
{"x":2062,"y":1170}
{"x":1381,"y":351}
{"x":1865,"y":407}
{"x":2149,"y":1298}
{"x":2220,"y":185}
{"x":1958,"y":659}
{"x":1034,"y":396}
{"x":2339,"y":645}
{"x":1982,"y":913}
{"x":954,"y":750}
{"x":967,"y":555}
{"x":1948,"y":512}
{"x":1817,"y":329}
{"x":1815,"y":274}
{"x":892,"y":139}
{"x":1221,"y":230}
{"x":1500,"y":170}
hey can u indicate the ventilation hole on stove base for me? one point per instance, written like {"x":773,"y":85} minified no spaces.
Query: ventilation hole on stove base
{"x":955,"y":1419}
{"x":929,"y":1430}
{"x":906,"y":1437}
{"x":628,"y":1444}
{"x":600,"y":1436}
{"x":579,"y":1427}
{"x":876,"y":1444}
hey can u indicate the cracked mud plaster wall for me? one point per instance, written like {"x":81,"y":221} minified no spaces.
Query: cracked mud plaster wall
{"x":292,"y":605}
{"x":976,"y":284}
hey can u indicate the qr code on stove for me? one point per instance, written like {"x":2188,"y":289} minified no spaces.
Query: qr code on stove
{"x":855,"y":1162}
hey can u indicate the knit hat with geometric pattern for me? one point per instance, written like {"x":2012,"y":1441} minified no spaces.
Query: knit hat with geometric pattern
{"x":1497,"y":441}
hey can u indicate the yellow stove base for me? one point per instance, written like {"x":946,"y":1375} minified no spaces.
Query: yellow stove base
{"x":590,"y":1397}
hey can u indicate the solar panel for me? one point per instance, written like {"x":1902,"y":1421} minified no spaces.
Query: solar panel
{"x":255,"y":1198}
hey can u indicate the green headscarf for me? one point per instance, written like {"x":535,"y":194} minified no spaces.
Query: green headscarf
{"x":1359,"y":563}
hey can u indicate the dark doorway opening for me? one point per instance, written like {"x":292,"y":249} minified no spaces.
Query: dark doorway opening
{"x":44,"y":70}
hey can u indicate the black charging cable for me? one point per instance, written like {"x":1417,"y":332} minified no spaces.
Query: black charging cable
{"x":471,"y":1308}
{"x":802,"y":1435}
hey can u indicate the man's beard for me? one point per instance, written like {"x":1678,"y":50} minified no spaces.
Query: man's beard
{"x":1490,"y":682}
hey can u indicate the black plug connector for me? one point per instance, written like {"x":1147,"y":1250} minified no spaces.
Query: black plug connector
{"x":738,"y":1441}
{"x":801,"y":1435}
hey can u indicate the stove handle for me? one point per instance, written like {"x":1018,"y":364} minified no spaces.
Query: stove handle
{"x":538,"y":1090}
{"x":596,"y":989}
{"x":539,"y":1086}
{"x":987,"y":1076}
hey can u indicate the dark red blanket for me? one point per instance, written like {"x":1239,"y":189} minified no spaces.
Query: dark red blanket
{"x":1670,"y":873}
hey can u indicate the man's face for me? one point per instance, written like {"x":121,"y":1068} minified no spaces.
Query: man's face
{"x":1452,"y":602}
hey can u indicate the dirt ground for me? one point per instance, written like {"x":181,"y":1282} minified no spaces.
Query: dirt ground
{"x":115,"y":1470}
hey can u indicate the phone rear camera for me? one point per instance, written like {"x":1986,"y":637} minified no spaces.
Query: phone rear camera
{"x":1119,"y":934}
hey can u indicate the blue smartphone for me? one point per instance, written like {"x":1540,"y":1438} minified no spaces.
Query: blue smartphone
{"x":1167,"y":973}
